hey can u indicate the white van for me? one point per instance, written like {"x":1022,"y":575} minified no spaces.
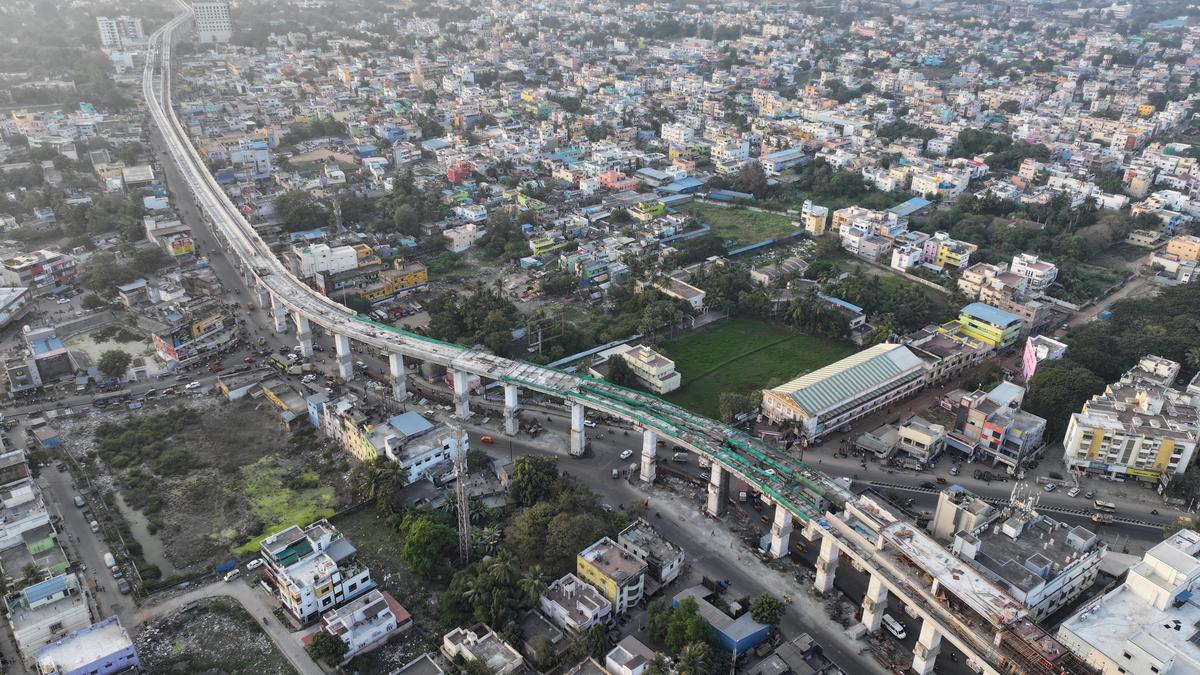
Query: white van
{"x":893,"y":626}
{"x":233,"y":574}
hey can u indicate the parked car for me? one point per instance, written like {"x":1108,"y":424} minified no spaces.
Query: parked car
{"x":616,"y":473}
{"x":233,"y":574}
{"x":123,"y":587}
{"x":95,"y":526}
{"x":589,"y":424}
{"x":1050,"y":487}
{"x":254,"y":564}
{"x":80,"y":501}
{"x":194,"y":384}
{"x":1089,"y":494}
{"x":626,"y":454}
{"x":63,"y":301}
{"x":1073,"y":492}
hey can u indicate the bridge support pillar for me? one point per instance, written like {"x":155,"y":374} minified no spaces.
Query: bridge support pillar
{"x":279,"y":313}
{"x":345,"y":359}
{"x":926,"y":650}
{"x":718,"y":491}
{"x":264,"y":298}
{"x":578,"y":431}
{"x":511,"y":423}
{"x":874,"y":604}
{"x":649,"y":455}
{"x":399,"y":376}
{"x":462,"y":403}
{"x":811,"y":531}
{"x":781,"y":532}
{"x":827,"y":563}
{"x":304,"y":335}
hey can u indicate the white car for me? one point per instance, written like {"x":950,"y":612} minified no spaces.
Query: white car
{"x":1073,"y":492}
{"x":194,"y":384}
{"x":63,"y":301}
{"x":254,"y":564}
{"x":589,"y":424}
{"x":1051,"y":487}
{"x":626,"y":454}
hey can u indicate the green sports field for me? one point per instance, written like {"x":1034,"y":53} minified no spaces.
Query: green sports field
{"x":737,"y":355}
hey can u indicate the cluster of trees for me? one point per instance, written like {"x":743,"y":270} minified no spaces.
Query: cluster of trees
{"x":318,"y":128}
{"x":1006,"y":154}
{"x":485,"y":317}
{"x":380,"y":481}
{"x":299,"y":210}
{"x":687,"y":636}
{"x":504,"y":239}
{"x":407,"y":207}
{"x":1057,"y":389}
{"x":908,"y":304}
{"x":102,"y":273}
{"x":820,"y":181}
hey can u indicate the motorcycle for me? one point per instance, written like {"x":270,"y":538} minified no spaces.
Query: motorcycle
{"x":1154,"y":512}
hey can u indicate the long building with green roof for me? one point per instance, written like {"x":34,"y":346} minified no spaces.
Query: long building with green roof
{"x":844,"y":391}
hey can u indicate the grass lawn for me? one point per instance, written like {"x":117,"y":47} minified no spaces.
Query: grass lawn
{"x":739,"y":224}
{"x":279,"y":505}
{"x":737,"y":355}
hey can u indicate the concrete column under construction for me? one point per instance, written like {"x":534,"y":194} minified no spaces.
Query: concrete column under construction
{"x":578,"y":430}
{"x":874,"y":604}
{"x":303,"y":334}
{"x":511,"y":423}
{"x":926,"y":650}
{"x":781,"y":532}
{"x":279,"y":313}
{"x":649,"y":454}
{"x":718,"y":491}
{"x":827,"y":563}
{"x":399,"y":376}
{"x":345,"y":359}
{"x":462,"y":402}
{"x":263,"y":297}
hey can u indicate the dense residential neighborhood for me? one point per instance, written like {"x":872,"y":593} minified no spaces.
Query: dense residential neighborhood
{"x":608,"y":339}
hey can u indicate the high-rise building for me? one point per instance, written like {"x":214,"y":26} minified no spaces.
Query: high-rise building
{"x":212,"y":20}
{"x":122,"y":32}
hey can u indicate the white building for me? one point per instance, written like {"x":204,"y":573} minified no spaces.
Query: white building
{"x":212,"y":20}
{"x":324,"y":259}
{"x":629,"y":657}
{"x":814,"y":218}
{"x":312,"y":569}
{"x":663,"y":559}
{"x":906,"y":257}
{"x":1149,"y":623}
{"x":47,"y":611}
{"x":1039,"y":272}
{"x":574,"y":605}
{"x":367,"y":622}
{"x":653,"y":370}
{"x":730,"y":155}
{"x":103,"y":648}
{"x":463,"y":237}
{"x":499,"y":657}
{"x":119,"y":33}
{"x":678,"y":135}
{"x":1042,"y":563}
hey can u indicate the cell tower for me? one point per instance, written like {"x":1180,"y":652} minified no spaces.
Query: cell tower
{"x":460,"y":489}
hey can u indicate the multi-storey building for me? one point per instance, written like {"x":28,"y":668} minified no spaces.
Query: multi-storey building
{"x":836,"y":395}
{"x":418,"y":445}
{"x":814,"y":219}
{"x":1185,"y":246}
{"x":366,"y":622}
{"x":103,"y":648}
{"x":202,"y":331}
{"x":988,"y":324}
{"x":41,"y":271}
{"x":653,"y":370}
{"x":120,"y":33}
{"x":47,"y":611}
{"x":664,"y":559}
{"x":313,"y":569}
{"x":618,"y":575}
{"x":1044,"y":564}
{"x":1138,"y":428}
{"x":400,"y":279}
{"x":1039,"y":272}
{"x":942,"y":250}
{"x":1040,"y":348}
{"x":212,"y":20}
{"x":1148,"y":623}
{"x":990,"y":426}
{"x":323,"y":259}
{"x":573,"y":605}
{"x":499,"y":657}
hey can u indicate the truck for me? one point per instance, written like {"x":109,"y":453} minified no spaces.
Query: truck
{"x":1102,"y":518}
{"x":109,"y":560}
{"x":743,"y":492}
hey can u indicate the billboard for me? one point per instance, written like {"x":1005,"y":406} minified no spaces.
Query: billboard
{"x":181,"y":246}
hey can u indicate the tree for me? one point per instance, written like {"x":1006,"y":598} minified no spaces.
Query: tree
{"x":300,"y":211}
{"x":767,"y":609}
{"x":533,"y":583}
{"x":658,"y":666}
{"x":619,"y":372}
{"x":694,"y":659}
{"x":114,"y":362}
{"x":686,"y":626}
{"x":327,"y":648}
{"x":1058,"y":389}
{"x":533,"y":479}
{"x":92,"y":301}
{"x":426,"y":544}
{"x":751,"y":178}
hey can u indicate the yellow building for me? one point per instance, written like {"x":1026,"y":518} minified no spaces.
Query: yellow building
{"x":991,"y":325}
{"x":618,"y":575}
{"x":394,"y":281}
{"x":1185,"y":246}
{"x":540,"y":245}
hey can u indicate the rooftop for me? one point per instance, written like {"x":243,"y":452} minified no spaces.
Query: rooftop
{"x":993,"y":315}
{"x":642,"y":535}
{"x":827,"y":387}
{"x":615,"y":563}
{"x":84,"y":646}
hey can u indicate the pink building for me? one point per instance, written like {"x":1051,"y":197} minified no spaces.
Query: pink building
{"x":1040,"y":348}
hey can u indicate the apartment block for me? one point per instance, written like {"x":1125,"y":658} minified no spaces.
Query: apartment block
{"x":121,"y":32}
{"x":313,"y":569}
{"x":814,"y":219}
{"x":944,"y":251}
{"x":618,"y":575}
{"x":47,"y":612}
{"x":1039,"y":348}
{"x":103,"y":648}
{"x":1039,"y":272}
{"x":323,"y":259}
{"x":988,"y":324}
{"x":212,"y":20}
{"x":664,"y":559}
{"x":367,"y":622}
{"x":574,"y":605}
{"x":991,"y":427}
{"x":497,"y":655}
{"x":423,"y":449}
{"x":1140,"y":428}
{"x":1185,"y":246}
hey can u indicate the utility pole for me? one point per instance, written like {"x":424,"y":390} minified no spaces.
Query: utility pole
{"x":464,"y":505}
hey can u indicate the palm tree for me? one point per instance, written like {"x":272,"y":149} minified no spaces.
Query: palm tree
{"x":658,"y":666}
{"x":1193,"y":357}
{"x":364,"y":479}
{"x":533,"y":583}
{"x":693,"y":659}
{"x":500,"y":569}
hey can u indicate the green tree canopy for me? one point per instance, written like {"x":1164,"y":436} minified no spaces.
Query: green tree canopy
{"x":427,"y":542}
{"x":114,"y":362}
{"x":533,"y":479}
{"x":767,"y":609}
{"x":328,"y":648}
{"x":299,"y":211}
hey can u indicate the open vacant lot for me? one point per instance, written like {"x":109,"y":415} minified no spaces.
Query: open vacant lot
{"x":739,"y":224}
{"x":212,"y":636}
{"x":741,"y":354}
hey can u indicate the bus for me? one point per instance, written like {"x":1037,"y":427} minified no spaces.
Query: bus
{"x":1105,"y":507}
{"x":893,"y":626}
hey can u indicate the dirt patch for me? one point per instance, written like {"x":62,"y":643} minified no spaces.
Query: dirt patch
{"x":213,"y":635}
